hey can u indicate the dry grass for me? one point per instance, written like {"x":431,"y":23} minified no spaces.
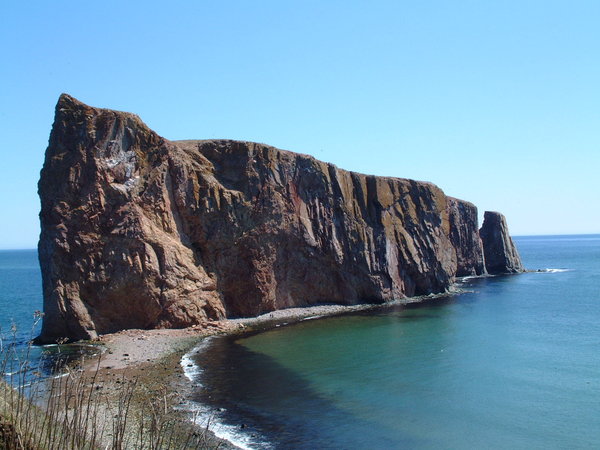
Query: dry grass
{"x":74,"y":411}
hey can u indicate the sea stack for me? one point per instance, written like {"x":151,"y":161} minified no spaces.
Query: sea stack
{"x":500,"y":252}
{"x":141,"y":232}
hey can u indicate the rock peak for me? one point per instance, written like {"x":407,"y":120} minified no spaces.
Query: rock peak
{"x":68,"y":104}
{"x":67,"y":99}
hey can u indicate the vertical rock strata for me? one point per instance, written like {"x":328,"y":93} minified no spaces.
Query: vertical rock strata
{"x":465,"y":239}
{"x":501,"y":254}
{"x":142,"y":232}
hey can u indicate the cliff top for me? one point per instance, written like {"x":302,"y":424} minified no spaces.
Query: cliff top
{"x":68,"y":104}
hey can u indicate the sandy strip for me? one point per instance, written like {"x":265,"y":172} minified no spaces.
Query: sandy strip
{"x":132,"y":348}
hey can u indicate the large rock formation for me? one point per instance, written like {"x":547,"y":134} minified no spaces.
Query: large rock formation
{"x":465,"y":238}
{"x":139,"y":231}
{"x":500,"y":252}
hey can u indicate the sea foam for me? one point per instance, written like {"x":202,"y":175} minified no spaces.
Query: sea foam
{"x":213,"y":419}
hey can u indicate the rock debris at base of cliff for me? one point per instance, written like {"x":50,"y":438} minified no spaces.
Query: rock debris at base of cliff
{"x":141,"y":232}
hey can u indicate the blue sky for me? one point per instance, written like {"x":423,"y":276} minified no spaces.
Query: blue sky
{"x":497,"y":103}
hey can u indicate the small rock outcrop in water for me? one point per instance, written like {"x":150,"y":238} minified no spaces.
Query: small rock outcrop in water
{"x":142,"y":232}
{"x":500,"y":252}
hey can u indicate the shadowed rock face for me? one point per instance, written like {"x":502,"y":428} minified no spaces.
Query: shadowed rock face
{"x":142,"y":232}
{"x":465,"y":238}
{"x":501,"y":254}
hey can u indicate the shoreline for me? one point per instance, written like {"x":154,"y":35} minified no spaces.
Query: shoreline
{"x":136,"y":347}
{"x":160,"y":360}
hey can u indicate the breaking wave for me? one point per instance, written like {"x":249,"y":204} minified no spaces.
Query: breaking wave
{"x":211,"y":418}
{"x":553,"y":270}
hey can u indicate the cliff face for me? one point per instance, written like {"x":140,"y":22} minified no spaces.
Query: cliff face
{"x":141,"y":232}
{"x":465,"y":238}
{"x":501,"y":254}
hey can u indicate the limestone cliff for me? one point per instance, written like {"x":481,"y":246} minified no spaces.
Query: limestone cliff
{"x":139,"y":231}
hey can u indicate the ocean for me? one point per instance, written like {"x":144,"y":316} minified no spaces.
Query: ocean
{"x":512,"y":362}
{"x":20,"y":298}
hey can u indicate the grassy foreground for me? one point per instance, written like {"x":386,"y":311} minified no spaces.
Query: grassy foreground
{"x":83,"y":410}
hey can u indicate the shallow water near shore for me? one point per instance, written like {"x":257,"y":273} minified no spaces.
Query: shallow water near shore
{"x":20,"y":297}
{"x":511,"y":363}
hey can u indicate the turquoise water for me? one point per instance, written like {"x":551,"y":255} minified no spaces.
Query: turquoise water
{"x":512,"y":363}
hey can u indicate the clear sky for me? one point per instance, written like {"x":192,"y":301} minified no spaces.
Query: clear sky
{"x":497,"y":102}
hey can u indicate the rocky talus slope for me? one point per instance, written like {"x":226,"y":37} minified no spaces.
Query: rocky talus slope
{"x":142,"y":232}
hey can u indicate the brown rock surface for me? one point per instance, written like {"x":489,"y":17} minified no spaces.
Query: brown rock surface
{"x":501,"y":254}
{"x":142,"y":232}
{"x":465,"y":237}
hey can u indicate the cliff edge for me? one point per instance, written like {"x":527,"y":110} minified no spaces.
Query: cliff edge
{"x":141,"y":232}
